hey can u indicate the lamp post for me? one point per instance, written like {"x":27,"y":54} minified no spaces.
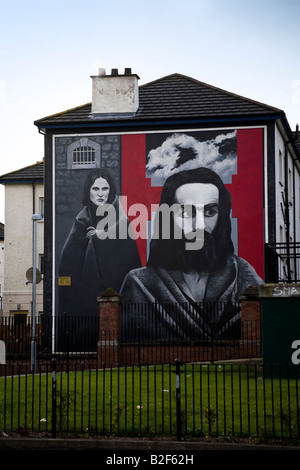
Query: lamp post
{"x":35,"y":218}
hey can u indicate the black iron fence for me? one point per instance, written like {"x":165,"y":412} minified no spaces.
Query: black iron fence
{"x":150,"y":334}
{"x":282,"y":262}
{"x":129,"y":382}
{"x":177,"y":400}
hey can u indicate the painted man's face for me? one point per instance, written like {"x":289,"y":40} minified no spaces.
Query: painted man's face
{"x":99,"y":191}
{"x":198,"y":211}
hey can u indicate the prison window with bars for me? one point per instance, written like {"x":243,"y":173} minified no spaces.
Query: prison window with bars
{"x":84,"y":156}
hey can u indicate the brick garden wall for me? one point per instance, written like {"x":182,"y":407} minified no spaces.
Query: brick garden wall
{"x":111,"y":350}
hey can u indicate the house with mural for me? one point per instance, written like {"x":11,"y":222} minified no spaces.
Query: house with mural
{"x":173,"y":192}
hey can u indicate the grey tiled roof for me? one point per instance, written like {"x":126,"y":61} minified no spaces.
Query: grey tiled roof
{"x":172,"y":97}
{"x":180,"y":96}
{"x":29,"y":173}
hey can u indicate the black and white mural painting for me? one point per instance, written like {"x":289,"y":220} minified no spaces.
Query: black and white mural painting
{"x":95,"y":262}
{"x":192,"y":259}
{"x":180,"y":186}
{"x":88,"y":261}
{"x":198,"y":265}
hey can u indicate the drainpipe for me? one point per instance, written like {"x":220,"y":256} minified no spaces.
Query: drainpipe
{"x":33,"y":197}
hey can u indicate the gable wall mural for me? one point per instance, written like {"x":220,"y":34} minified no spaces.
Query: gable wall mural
{"x":112,"y":226}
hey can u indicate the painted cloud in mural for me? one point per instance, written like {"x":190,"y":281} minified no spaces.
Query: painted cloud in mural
{"x":184,"y":152}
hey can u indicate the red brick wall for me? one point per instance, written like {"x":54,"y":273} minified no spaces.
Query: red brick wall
{"x":111,"y":351}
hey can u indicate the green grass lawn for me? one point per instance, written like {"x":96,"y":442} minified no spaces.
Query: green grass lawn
{"x":228,"y":400}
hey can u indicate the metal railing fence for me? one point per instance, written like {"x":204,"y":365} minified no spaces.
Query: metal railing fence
{"x":198,"y":333}
{"x":282,"y":262}
{"x":176,"y":400}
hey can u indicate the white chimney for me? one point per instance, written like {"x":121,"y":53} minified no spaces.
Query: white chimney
{"x":115,"y":93}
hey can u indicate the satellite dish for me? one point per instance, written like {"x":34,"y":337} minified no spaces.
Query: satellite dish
{"x":29,"y":275}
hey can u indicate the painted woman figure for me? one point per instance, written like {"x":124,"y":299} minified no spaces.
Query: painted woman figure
{"x":93,"y":263}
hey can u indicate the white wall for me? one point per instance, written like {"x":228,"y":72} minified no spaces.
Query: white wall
{"x":294,"y":195}
{"x":1,"y":267}
{"x":19,"y":246}
{"x":279,"y":185}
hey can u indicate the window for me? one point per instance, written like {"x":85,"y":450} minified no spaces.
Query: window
{"x":280,"y":163}
{"x":84,"y":153}
{"x":290,"y":187}
{"x":42,"y":264}
{"x":41,"y":203}
{"x":84,"y":156}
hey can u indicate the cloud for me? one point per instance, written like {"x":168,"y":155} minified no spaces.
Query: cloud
{"x":184,"y":152}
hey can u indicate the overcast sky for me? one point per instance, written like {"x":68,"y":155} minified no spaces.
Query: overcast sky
{"x":49,"y":50}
